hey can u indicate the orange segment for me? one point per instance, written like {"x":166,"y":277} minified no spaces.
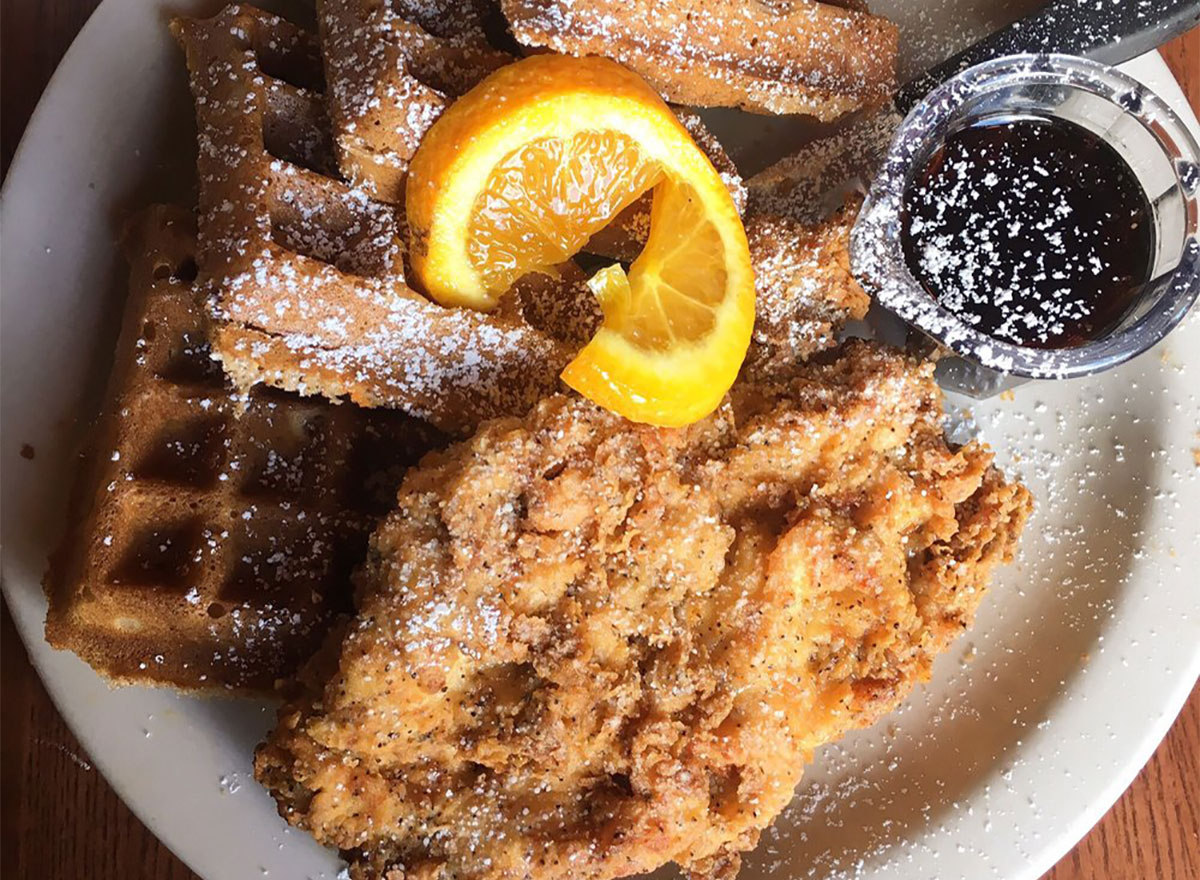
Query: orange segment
{"x":676,"y":329}
{"x":545,"y":201}
{"x":519,"y":173}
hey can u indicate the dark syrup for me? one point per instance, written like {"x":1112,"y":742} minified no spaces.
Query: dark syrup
{"x":1033,"y":231}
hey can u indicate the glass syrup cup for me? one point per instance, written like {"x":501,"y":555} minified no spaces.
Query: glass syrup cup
{"x":1138,"y":124}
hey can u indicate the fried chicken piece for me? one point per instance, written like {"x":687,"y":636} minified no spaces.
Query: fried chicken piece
{"x":586,"y":648}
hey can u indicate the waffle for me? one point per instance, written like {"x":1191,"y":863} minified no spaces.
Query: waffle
{"x":809,"y":184}
{"x":795,"y":56}
{"x":393,"y":66}
{"x":208,"y":550}
{"x":806,"y":292}
{"x":799,"y":215}
{"x":306,"y":272}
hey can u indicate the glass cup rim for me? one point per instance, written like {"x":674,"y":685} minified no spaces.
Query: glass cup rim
{"x":877,"y":255}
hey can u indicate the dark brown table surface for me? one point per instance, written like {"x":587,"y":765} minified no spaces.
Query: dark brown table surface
{"x":61,"y":820}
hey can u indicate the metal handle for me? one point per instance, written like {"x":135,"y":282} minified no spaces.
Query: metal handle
{"x":1109,"y":31}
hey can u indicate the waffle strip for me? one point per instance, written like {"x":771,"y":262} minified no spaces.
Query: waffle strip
{"x":210,"y":548}
{"x":812,"y":181}
{"x":799,"y":215}
{"x":307,"y":272}
{"x":799,"y":56}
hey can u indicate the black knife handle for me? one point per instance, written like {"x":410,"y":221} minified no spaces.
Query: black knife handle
{"x":1109,"y":31}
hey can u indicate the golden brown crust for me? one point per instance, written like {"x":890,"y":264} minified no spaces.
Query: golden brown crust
{"x":587,"y":648}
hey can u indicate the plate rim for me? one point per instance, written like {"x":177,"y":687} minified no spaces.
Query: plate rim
{"x":29,"y":624}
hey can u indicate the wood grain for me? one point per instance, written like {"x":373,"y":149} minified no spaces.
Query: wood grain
{"x":1153,"y":831}
{"x":1183,"y":57}
{"x":59,"y":819}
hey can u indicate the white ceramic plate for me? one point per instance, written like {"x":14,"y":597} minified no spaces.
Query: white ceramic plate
{"x":1033,"y":725}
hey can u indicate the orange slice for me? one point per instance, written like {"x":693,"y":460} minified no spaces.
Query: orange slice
{"x":520,"y":172}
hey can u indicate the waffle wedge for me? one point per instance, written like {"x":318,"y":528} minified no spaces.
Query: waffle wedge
{"x":812,"y":182}
{"x":795,"y":56}
{"x":392,"y":68}
{"x":210,"y":548}
{"x":307,"y":272}
{"x":798,"y":219}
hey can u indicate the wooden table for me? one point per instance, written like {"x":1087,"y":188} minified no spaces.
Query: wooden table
{"x":61,"y":820}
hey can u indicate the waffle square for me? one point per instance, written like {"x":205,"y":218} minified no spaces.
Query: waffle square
{"x":212,"y":536}
{"x":306,"y":271}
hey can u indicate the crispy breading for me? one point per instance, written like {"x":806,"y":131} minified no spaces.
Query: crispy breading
{"x":586,"y":648}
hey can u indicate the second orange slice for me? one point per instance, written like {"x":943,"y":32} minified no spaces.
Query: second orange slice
{"x":520,"y":172}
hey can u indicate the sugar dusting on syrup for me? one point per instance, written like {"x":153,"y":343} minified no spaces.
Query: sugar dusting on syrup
{"x":1034,"y":231}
